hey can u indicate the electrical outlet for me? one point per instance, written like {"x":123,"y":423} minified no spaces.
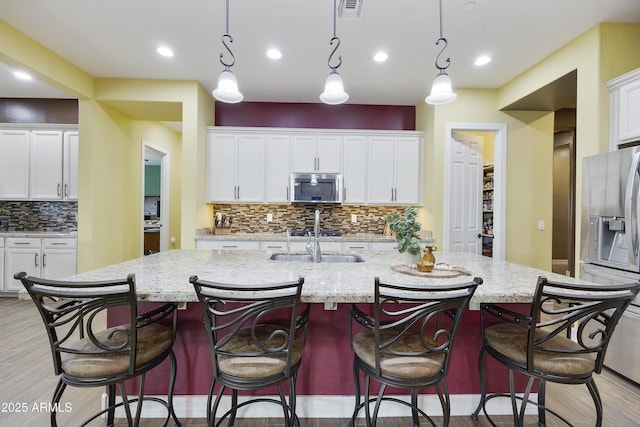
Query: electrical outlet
{"x":541,"y":225}
{"x":269,"y":217}
{"x":354,"y":218}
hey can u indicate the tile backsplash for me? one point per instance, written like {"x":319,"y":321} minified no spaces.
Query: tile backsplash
{"x":59,"y":217}
{"x":250,"y":218}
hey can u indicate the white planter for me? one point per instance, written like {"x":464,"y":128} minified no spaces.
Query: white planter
{"x":410,"y":260}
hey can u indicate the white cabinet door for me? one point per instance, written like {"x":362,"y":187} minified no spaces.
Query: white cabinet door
{"x":381,"y":170}
{"x":70,"y":166}
{"x":250,"y":178}
{"x":59,"y":258}
{"x":235,"y":168}
{"x":407,"y":170}
{"x":277,"y":169}
{"x":316,"y":153}
{"x":14,"y":164}
{"x":222,"y":168}
{"x":394,"y":170}
{"x":45,"y":166}
{"x":629,"y":110}
{"x":355,"y":169}
{"x":329,"y":153}
{"x":21,"y":254}
{"x":303,"y":153}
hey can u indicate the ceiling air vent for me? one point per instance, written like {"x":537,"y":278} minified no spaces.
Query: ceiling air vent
{"x":350,"y":8}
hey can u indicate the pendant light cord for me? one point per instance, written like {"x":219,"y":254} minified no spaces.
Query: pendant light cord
{"x":444,"y":40}
{"x":226,"y":38}
{"x":335,"y":40}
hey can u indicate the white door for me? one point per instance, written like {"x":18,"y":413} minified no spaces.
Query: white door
{"x":355,"y":169}
{"x":465,"y":222}
{"x":277,"y":169}
{"x":407,"y":171}
{"x":250,"y":172}
{"x":222,"y":165}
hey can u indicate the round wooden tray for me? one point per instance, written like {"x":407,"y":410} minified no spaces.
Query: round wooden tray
{"x":401,"y":268}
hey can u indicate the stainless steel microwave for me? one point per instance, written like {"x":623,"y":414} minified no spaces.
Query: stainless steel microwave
{"x":316,"y":188}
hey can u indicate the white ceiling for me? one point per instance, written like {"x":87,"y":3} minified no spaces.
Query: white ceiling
{"x":118,"y":38}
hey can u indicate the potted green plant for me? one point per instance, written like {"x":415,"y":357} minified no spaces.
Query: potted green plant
{"x":406,"y":230}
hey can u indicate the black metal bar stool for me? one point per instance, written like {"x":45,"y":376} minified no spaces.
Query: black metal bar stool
{"x":86,"y":355}
{"x":257,"y":335}
{"x":407,"y":343}
{"x":563,"y":339}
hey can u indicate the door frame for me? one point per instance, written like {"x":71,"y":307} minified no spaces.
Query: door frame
{"x":499,"y":183}
{"x":164,"y":194}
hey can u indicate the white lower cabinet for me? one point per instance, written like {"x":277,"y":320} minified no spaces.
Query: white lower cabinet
{"x":51,"y":258}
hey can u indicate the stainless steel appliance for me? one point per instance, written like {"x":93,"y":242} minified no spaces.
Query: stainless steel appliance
{"x":610,"y":247}
{"x":316,"y":188}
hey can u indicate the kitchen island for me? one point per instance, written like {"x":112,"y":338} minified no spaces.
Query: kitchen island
{"x":325,"y":382}
{"x":165,"y":276}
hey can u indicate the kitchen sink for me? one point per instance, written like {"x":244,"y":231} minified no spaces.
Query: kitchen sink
{"x":325,"y":258}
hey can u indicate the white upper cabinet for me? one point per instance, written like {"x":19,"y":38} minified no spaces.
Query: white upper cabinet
{"x":45,"y":168}
{"x":354,"y":178}
{"x":14,"y":164}
{"x":235,"y":168}
{"x":253,"y":165}
{"x":316,"y":153}
{"x":394,"y":170}
{"x":625,"y":108}
{"x":277,"y":169}
{"x":38,"y":164}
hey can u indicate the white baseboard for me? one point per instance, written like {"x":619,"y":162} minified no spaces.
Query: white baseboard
{"x":327,"y":407}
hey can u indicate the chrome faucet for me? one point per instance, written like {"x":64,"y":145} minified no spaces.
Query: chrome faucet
{"x":314,"y":250}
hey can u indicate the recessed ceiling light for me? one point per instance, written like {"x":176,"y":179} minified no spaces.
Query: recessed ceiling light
{"x":165,"y":51}
{"x":274,"y":54}
{"x":22,"y":75}
{"x":380,"y":56}
{"x":482,"y":60}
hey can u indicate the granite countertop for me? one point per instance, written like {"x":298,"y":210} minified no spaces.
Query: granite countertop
{"x":164,"y":276}
{"x":368,"y":237}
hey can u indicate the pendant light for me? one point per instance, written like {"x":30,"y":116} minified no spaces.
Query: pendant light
{"x":227,"y":90}
{"x":441,"y":91}
{"x":333,"y":87}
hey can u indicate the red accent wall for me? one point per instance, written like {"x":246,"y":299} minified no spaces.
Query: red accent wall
{"x":316,"y":116}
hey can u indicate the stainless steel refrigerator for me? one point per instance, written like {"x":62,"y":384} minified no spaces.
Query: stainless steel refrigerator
{"x":610,"y":246}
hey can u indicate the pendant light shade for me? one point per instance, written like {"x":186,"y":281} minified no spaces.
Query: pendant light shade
{"x":441,"y":91}
{"x":227,"y":90}
{"x":334,"y":90}
{"x":334,"y":87}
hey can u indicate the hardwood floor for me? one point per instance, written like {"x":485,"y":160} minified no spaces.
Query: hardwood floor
{"x":27,"y":383}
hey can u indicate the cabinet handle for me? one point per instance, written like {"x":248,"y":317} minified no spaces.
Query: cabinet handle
{"x":274,"y":247}
{"x":35,"y":259}
{"x":344,"y":193}
{"x":58,"y":188}
{"x":356,"y":247}
{"x":44,"y":260}
{"x":58,"y":244}
{"x":238,"y":193}
{"x":66,"y":190}
{"x":287,"y":192}
{"x":21,"y":243}
{"x":392,"y":194}
{"x":230,"y":246}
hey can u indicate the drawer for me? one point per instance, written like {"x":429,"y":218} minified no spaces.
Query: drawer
{"x":62,"y":243}
{"x":356,"y":246}
{"x":23,"y":242}
{"x":384,"y":246}
{"x":273,"y":246}
{"x":229,"y":245}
